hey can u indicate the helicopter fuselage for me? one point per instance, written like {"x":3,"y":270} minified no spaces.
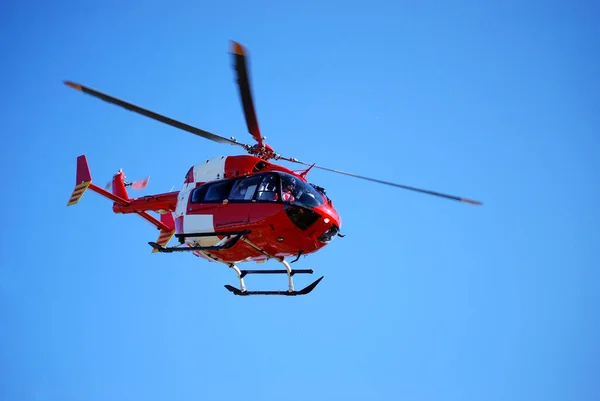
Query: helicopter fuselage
{"x":246,"y":193}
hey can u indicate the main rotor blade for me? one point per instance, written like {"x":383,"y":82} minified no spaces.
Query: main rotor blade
{"x":153,"y":115}
{"x":243,"y":81}
{"x":425,"y":191}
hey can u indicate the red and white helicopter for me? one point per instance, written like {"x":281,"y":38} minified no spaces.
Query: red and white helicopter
{"x":234,"y":209}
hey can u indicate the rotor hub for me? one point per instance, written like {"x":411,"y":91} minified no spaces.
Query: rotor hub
{"x":264,"y":151}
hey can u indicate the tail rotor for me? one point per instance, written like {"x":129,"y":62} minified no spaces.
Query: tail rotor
{"x":136,"y":185}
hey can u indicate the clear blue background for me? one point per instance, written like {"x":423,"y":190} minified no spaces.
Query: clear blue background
{"x":424,"y":299}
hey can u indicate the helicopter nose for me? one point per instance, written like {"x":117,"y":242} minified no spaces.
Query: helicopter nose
{"x":328,"y":235}
{"x":330,"y":223}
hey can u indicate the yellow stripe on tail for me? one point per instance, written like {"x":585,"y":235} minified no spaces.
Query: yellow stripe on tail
{"x":83,"y":180}
{"x":78,"y":192}
{"x":163,"y":238}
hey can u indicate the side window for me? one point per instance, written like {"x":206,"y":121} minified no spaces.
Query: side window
{"x":198,"y":194}
{"x":218,"y":191}
{"x":267,"y":190}
{"x":211,"y":193}
{"x":245,"y":188}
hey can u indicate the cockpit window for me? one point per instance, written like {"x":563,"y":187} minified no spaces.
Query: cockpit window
{"x":265,"y":187}
{"x":268,"y":189}
{"x":298,"y":192}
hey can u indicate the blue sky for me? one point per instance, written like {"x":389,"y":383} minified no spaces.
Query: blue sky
{"x":424,"y":299}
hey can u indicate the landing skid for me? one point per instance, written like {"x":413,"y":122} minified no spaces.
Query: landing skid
{"x":303,"y":291}
{"x":242,"y":291}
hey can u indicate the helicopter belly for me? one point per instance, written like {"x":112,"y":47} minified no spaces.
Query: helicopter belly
{"x":200,"y":223}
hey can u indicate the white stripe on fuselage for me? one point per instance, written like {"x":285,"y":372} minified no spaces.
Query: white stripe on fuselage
{"x":200,"y":223}
{"x":211,"y":170}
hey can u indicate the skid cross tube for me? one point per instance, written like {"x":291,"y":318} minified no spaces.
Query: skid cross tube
{"x":297,"y":271}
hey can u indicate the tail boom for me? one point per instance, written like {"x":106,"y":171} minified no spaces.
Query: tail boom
{"x":115,"y":198}
{"x":165,"y":202}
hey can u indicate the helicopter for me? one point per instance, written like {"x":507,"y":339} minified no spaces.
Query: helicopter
{"x":234,"y":209}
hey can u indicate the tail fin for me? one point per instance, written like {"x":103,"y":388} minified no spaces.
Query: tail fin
{"x":82,"y":181}
{"x":165,"y":235}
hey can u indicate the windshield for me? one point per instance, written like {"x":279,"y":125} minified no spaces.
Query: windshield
{"x":298,"y":192}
